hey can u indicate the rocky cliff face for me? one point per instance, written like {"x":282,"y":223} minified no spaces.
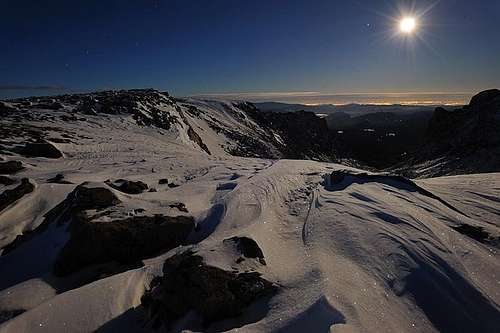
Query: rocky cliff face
{"x":465,"y":140}
{"x":304,"y":135}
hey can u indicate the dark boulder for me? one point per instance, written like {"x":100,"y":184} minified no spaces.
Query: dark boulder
{"x":128,"y":186}
{"x":190,"y":284}
{"x":10,"y":196}
{"x":58,"y":179}
{"x":41,"y":149}
{"x":10,"y":167}
{"x":247,"y":247}
{"x":180,"y":206}
{"x":124,"y":241}
{"x":163,"y":181}
{"x":85,"y":196}
{"x":4,"y":180}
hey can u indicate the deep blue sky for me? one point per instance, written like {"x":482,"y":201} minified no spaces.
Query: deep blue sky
{"x":220,"y":46}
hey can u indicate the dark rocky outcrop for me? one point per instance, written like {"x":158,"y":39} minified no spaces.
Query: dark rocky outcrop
{"x":10,"y":196}
{"x":129,"y":102}
{"x":247,"y":247}
{"x":6,"y":315}
{"x":163,"y":181}
{"x":464,"y":140}
{"x":179,"y":206}
{"x":190,"y":284}
{"x":193,"y":136}
{"x":197,"y":139}
{"x":304,"y":135}
{"x":85,"y":196}
{"x":125,"y":241}
{"x":58,"y":179}
{"x":477,"y":233}
{"x":10,"y":167}
{"x":4,"y":180}
{"x":128,"y":186}
{"x":40,"y":149}
{"x":6,"y":109}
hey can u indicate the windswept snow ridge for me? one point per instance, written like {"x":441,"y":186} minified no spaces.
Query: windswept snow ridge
{"x":143,"y":194}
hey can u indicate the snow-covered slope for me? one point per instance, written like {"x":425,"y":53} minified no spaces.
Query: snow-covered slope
{"x":345,"y":251}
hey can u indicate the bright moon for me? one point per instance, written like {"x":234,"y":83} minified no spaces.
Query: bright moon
{"x":407,"y":25}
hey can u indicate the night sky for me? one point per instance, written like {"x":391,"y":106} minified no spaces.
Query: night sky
{"x":230,"y":46}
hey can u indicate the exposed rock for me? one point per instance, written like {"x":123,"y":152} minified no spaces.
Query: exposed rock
{"x":477,"y":233}
{"x":304,"y":135}
{"x":60,"y":140}
{"x":51,"y":105}
{"x":6,"y":315}
{"x":190,"y":284}
{"x":86,"y":196}
{"x":143,"y":104}
{"x":10,"y":196}
{"x":193,"y":136}
{"x":248,"y":248}
{"x":41,"y":149}
{"x":197,"y":139}
{"x":6,"y":109}
{"x":124,"y":241}
{"x":128,"y":186}
{"x":4,"y":180}
{"x":180,"y":206}
{"x":58,"y":179}
{"x":172,"y":185}
{"x":69,"y":118}
{"x":163,"y":181}
{"x":461,"y":141}
{"x":486,"y":101}
{"x":10,"y":167}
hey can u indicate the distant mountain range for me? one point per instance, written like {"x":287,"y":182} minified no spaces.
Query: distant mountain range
{"x":351,"y":109}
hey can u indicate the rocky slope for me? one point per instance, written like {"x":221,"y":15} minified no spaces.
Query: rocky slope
{"x":461,"y":141}
{"x":237,"y":128}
